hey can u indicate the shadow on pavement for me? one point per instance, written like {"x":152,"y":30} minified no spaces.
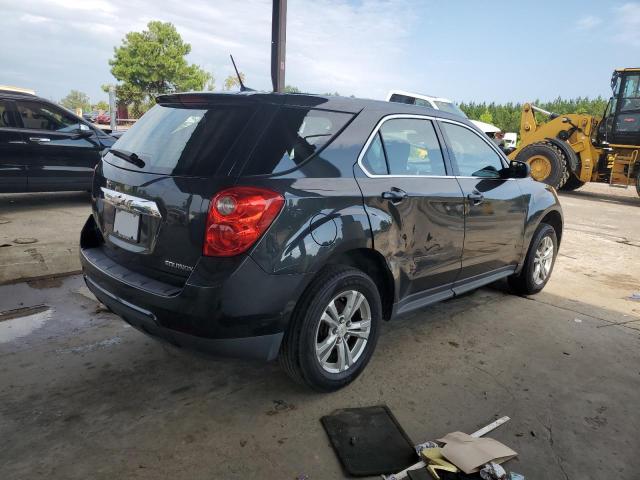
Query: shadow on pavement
{"x":603,"y":197}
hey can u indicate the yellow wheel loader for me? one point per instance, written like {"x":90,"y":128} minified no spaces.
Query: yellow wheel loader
{"x":567,"y":151}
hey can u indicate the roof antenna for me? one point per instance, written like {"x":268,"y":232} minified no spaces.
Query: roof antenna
{"x":242,"y":87}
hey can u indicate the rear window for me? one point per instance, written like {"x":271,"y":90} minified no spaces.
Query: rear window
{"x":183,"y":141}
{"x":292,"y":137}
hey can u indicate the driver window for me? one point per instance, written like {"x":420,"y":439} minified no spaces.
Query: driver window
{"x":471,"y":153}
{"x":37,"y":116}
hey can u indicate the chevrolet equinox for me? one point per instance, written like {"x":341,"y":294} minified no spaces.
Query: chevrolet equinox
{"x":272,"y":225}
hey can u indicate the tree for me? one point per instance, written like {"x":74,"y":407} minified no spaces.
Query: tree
{"x":486,"y":117}
{"x":232,"y":81}
{"x":291,"y":89}
{"x":152,"y":62}
{"x":101,"y":105}
{"x":76,"y":99}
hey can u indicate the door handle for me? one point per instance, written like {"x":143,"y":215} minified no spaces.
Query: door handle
{"x":39,"y":139}
{"x":476,"y":198}
{"x":396,"y":195}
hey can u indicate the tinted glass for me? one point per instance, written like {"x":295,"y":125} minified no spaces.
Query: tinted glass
{"x":450,"y":108}
{"x":631,"y":95}
{"x":472,"y":155}
{"x":412,"y":147}
{"x":5,"y":115}
{"x":183,"y":141}
{"x":294,"y":135}
{"x":396,"y":97}
{"x":38,"y":116}
{"x":374,"y":160}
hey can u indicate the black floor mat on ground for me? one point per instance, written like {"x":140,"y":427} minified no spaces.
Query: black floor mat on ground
{"x":369,"y":441}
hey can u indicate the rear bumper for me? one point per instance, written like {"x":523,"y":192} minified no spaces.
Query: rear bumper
{"x":243,"y":314}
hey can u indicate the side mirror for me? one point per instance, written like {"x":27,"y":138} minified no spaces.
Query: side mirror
{"x":518,"y":169}
{"x":82,"y":132}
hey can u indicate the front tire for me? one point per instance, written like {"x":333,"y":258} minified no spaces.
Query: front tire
{"x":572,"y":183}
{"x":539,"y":262}
{"x":548,"y":163}
{"x":333,"y":331}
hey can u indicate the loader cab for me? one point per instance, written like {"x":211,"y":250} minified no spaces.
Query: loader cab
{"x":621,"y":123}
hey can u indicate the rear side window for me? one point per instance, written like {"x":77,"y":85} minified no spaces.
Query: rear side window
{"x":36,"y":116}
{"x":374,"y":160}
{"x":6,"y":120}
{"x":183,"y":141}
{"x":292,"y":137}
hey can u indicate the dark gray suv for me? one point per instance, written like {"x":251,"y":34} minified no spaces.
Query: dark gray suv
{"x":291,"y":226}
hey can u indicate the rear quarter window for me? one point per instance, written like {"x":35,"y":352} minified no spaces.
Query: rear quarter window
{"x":293,"y":136}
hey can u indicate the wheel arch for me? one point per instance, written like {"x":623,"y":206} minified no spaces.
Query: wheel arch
{"x":373,"y":264}
{"x":553,"y":218}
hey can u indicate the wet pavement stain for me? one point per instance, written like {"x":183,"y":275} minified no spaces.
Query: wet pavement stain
{"x":49,"y":282}
{"x":21,"y":322}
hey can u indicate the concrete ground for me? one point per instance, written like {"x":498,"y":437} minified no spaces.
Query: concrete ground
{"x":84,"y":396}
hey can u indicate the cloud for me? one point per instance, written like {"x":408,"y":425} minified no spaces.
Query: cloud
{"x":332,"y":45}
{"x":627,"y":24}
{"x":588,"y":22}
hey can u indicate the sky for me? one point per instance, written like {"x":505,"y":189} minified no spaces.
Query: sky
{"x":464,"y":50}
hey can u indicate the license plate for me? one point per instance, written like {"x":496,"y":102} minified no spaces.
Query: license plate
{"x":126,"y":225}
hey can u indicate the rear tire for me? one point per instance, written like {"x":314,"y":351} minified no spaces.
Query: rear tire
{"x":538,"y":264}
{"x":317,"y":331}
{"x":548,"y":163}
{"x":572,"y":183}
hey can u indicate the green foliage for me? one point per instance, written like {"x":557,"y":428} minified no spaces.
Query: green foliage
{"x":507,"y":115}
{"x":152,"y":62}
{"x":486,"y":117}
{"x":101,"y":105}
{"x":232,"y":81}
{"x":291,"y":89}
{"x":76,"y":99}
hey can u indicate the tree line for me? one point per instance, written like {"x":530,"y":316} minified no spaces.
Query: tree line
{"x":507,"y":115}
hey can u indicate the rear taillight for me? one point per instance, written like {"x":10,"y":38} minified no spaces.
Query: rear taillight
{"x":237,"y":217}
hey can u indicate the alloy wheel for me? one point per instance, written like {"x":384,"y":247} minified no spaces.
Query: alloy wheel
{"x":343,"y":331}
{"x":543,"y":260}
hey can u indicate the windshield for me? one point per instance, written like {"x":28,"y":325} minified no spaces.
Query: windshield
{"x":182,"y":141}
{"x":449,"y":108}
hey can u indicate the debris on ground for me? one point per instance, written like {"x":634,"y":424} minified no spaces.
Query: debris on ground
{"x":369,"y":440}
{"x":635,"y":296}
{"x":458,"y":456}
{"x":493,"y":471}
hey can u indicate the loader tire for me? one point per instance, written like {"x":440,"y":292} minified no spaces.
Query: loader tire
{"x":548,"y":163}
{"x":573,"y":183}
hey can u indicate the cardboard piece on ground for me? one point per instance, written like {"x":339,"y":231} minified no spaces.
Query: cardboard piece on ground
{"x":469,"y":453}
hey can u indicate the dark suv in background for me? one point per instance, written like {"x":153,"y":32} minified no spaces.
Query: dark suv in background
{"x":267,"y":225}
{"x":44,"y":147}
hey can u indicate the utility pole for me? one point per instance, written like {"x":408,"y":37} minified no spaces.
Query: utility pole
{"x":112,"y":108}
{"x":278,"y":44}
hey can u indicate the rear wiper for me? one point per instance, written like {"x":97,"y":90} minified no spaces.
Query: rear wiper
{"x":129,"y":157}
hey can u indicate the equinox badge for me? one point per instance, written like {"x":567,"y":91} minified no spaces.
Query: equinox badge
{"x":179,"y":266}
